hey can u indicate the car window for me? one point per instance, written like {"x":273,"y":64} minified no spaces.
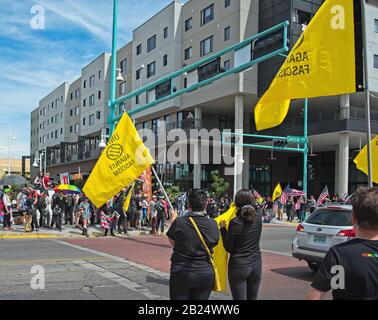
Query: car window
{"x":331,"y":217}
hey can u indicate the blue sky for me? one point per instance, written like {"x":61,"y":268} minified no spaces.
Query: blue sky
{"x":34,"y":62}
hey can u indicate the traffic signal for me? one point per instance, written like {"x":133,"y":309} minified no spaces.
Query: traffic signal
{"x":311,"y":171}
{"x":280,"y":143}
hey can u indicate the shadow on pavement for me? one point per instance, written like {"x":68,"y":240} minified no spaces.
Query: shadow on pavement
{"x":148,"y":243}
{"x":164,"y":282}
{"x":299,"y":273}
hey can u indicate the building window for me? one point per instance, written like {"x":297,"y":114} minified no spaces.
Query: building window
{"x":122,"y":88}
{"x":71,"y":129}
{"x":227,"y":65}
{"x":138,"y":73}
{"x":91,"y":100}
{"x":165,"y":32}
{"x":155,"y":125}
{"x":376,"y":25}
{"x":227,"y":33}
{"x":151,"y":43}
{"x":151,"y":69}
{"x":84,"y":102}
{"x":145,"y":125}
{"x":91,"y":81}
{"x":71,"y":96}
{"x":121,"y":108}
{"x":99,"y":74}
{"x":76,"y":128}
{"x":165,"y":60}
{"x":61,"y":130}
{"x":123,"y":65}
{"x":139,"y":49}
{"x":98,"y":115}
{"x":189,"y":24}
{"x":227,"y":3}
{"x":56,"y":119}
{"x":85,"y":84}
{"x":303,"y":17}
{"x":185,"y":82}
{"x":77,"y":110}
{"x":83,"y":121}
{"x":207,"y":15}
{"x":206,"y":46}
{"x":188,"y":53}
{"x":99,"y":95}
{"x":91,"y":120}
{"x":137,"y":99}
{"x":77,"y":94}
{"x":376,"y":61}
{"x":56,"y":134}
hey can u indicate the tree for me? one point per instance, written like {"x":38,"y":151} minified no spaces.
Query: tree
{"x":79,"y":183}
{"x":219,"y":185}
{"x":174,"y":191}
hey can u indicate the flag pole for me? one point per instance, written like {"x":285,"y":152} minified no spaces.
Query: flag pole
{"x":162,"y":188}
{"x":367,"y":95}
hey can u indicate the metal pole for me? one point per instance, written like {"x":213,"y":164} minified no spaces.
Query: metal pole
{"x":367,"y":95}
{"x":9,"y":162}
{"x":45,"y":164}
{"x":113,"y":68}
{"x":305,"y":151}
{"x":162,"y":188}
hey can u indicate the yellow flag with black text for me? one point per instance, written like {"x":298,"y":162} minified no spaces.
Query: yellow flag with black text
{"x":121,"y":163}
{"x":220,"y":255}
{"x":361,"y":160}
{"x":277,"y":192}
{"x":325,"y":61}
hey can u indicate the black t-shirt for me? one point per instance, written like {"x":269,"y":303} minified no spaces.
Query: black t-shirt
{"x":359,"y":258}
{"x":242,"y":241}
{"x":269,"y":204}
{"x":188,"y":253}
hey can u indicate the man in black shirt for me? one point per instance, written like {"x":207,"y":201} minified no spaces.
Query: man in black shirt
{"x":59,"y":207}
{"x":350,"y":269}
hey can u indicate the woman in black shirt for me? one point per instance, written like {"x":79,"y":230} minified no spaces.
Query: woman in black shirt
{"x":242,"y":241}
{"x":192,"y":275}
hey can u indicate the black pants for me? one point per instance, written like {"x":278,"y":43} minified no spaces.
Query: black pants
{"x":34,"y":223}
{"x":160,"y":222}
{"x":57,"y":220}
{"x":7,"y":220}
{"x":68,"y":216}
{"x":122,"y":224}
{"x":191,"y":285}
{"x":43,"y":219}
{"x":245,"y":282}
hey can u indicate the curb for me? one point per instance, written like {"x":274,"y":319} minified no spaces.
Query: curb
{"x":32,"y":236}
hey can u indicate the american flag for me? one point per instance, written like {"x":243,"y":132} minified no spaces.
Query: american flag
{"x":323,"y":196}
{"x":258,"y":196}
{"x":286,"y":194}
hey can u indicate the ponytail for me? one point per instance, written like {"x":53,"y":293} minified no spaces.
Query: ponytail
{"x":245,"y":201}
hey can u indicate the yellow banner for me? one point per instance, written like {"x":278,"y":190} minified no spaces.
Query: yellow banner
{"x":128,"y":199}
{"x":321,"y":63}
{"x":361,"y":160}
{"x":123,"y":160}
{"x":277,"y":192}
{"x":220,"y":254}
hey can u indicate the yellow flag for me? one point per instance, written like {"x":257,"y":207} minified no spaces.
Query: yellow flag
{"x":128,"y":199}
{"x":277,"y":192}
{"x":323,"y":62}
{"x":220,"y":254}
{"x":123,"y":160}
{"x":361,"y":160}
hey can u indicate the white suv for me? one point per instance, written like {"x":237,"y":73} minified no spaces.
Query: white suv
{"x":327,"y":226}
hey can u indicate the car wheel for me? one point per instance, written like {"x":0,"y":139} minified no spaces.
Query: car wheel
{"x":314,"y":266}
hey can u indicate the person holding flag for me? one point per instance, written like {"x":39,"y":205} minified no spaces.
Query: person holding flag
{"x":322,"y":197}
{"x":361,"y":160}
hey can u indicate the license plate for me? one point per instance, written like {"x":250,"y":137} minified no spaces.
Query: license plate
{"x":320,"y":239}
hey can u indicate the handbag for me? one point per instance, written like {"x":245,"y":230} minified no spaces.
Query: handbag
{"x":217,"y":285}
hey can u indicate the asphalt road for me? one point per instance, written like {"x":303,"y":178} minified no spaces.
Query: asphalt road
{"x":128,"y":269}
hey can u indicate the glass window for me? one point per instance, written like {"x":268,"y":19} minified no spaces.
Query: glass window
{"x":99,"y":74}
{"x":123,"y":65}
{"x":138,"y":74}
{"x":227,"y":3}
{"x":85,"y":83}
{"x":92,"y":81}
{"x":91,"y":100}
{"x":165,"y":60}
{"x":77,"y":110}
{"x":91,"y":120}
{"x":137,"y":99}
{"x":189,"y":24}
{"x":165,"y":32}
{"x":206,"y":46}
{"x":77,"y":94}
{"x":99,"y":95}
{"x":227,"y":65}
{"x":151,"y":69}
{"x":151,"y":43}
{"x":84,"y":102}
{"x":188,"y":53}
{"x":98,"y":115}
{"x":207,"y":15}
{"x":121,"y":108}
{"x":122,"y":88}
{"x":376,"y":25}
{"x":155,"y":125}
{"x":76,"y":128}
{"x":139,"y":49}
{"x":227,"y":33}
{"x":83,"y":121}
{"x":303,"y":17}
{"x":376,"y":61}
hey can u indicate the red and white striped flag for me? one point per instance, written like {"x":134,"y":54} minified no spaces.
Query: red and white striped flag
{"x":285,"y":194}
{"x":323,"y":196}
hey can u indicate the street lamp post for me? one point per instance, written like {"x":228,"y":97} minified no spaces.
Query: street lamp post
{"x":9,"y":142}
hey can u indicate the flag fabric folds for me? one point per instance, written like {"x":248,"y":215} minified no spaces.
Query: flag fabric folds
{"x":285,"y":194}
{"x":128,"y":198}
{"x":259,"y":198}
{"x":361,"y":160}
{"x":277,"y":192}
{"x":220,"y":255}
{"x":121,"y":163}
{"x":325,"y":61}
{"x":323,"y":196}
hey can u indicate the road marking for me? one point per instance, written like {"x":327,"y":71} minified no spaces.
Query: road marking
{"x":164,"y":275}
{"x":277,"y":252}
{"x":46,"y":261}
{"x":120,"y":280}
